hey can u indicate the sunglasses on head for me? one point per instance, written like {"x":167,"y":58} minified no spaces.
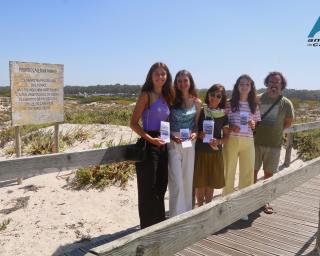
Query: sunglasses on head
{"x":214,"y":95}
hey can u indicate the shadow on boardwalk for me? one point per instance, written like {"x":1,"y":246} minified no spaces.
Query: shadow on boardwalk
{"x":80,"y":248}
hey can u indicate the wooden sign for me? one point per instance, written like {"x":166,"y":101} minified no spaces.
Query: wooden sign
{"x":36,"y":92}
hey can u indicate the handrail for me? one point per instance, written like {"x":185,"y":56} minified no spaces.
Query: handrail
{"x":303,"y":127}
{"x":34,"y":165}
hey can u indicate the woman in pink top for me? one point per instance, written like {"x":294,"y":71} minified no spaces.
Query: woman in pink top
{"x":243,"y":113}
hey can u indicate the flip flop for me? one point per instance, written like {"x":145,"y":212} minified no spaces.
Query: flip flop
{"x":268,"y":209}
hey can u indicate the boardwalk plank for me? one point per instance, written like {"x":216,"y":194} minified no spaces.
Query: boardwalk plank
{"x":187,"y":252}
{"x":240,"y":247}
{"x":297,"y":204}
{"x":211,"y":251}
{"x":298,"y":214}
{"x":289,"y":233}
{"x":307,"y":190}
{"x":289,"y":218}
{"x":311,"y":186}
{"x":252,"y":243}
{"x":225,"y":250}
{"x":304,"y":196}
{"x":263,"y":237}
{"x":285,"y":226}
{"x":276,"y":235}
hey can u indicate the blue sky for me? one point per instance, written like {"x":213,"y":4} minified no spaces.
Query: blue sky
{"x":116,"y":41}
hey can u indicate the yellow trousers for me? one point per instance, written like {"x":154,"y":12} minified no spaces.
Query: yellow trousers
{"x":242,"y":148}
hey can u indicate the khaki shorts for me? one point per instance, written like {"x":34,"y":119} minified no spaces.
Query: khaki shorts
{"x":267,"y":156}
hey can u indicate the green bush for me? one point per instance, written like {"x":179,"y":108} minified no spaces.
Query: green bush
{"x":5,"y":223}
{"x":104,"y":175}
{"x":41,"y":142}
{"x":307,"y":144}
{"x":113,"y":116}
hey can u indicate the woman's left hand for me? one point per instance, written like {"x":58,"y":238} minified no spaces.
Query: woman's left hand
{"x":214,"y":142}
{"x":252,"y":124}
{"x":193,"y":136}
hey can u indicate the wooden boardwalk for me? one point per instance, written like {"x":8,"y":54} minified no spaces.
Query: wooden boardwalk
{"x":291,"y":230}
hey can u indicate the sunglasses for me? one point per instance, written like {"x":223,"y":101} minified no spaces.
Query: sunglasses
{"x":218,"y":95}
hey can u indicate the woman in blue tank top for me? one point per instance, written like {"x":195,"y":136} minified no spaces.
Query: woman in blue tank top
{"x":152,"y":174}
{"x":183,"y":119}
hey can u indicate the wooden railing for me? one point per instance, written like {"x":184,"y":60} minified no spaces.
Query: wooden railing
{"x":181,"y":231}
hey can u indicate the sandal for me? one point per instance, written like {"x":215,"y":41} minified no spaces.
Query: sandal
{"x":268,"y":209}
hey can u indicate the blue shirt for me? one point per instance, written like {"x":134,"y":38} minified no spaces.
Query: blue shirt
{"x":182,"y":118}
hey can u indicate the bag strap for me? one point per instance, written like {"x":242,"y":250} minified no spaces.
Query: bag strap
{"x":271,"y":107}
{"x":148,"y":109}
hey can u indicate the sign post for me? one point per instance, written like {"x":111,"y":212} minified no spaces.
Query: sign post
{"x":36,"y":96}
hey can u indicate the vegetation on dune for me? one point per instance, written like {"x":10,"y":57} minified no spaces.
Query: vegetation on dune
{"x":307,"y":144}
{"x":7,"y":134}
{"x":118,"y":111}
{"x":42,"y":142}
{"x":104,"y":175}
{"x":111,"y":116}
{"x":4,"y":224}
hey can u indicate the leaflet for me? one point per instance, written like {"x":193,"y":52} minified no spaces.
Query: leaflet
{"x":208,"y":129}
{"x":244,"y":118}
{"x":184,"y":136}
{"x":165,"y":131}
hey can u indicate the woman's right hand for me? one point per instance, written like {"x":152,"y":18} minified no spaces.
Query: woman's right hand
{"x":157,"y":142}
{"x":201,"y":135}
{"x":176,"y":139}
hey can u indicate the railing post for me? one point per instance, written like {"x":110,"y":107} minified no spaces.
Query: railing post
{"x":18,"y":148}
{"x":318,"y":236}
{"x":287,"y":158}
{"x":56,"y":138}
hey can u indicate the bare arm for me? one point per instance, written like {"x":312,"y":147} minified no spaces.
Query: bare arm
{"x":198,"y":104}
{"x":287,"y":122}
{"x":225,"y":135}
{"x":141,"y":105}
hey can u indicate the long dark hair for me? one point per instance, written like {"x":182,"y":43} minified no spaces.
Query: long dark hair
{"x":178,"y":100}
{"x":217,"y":88}
{"x":167,"y":89}
{"x":252,"y":97}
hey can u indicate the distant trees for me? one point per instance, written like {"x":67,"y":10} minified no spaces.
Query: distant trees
{"x":135,"y":89}
{"x":103,"y":89}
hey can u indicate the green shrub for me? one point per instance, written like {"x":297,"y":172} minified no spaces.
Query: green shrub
{"x":41,"y":142}
{"x":113,"y":116}
{"x":104,"y":175}
{"x":81,"y":134}
{"x":307,"y":144}
{"x":5,"y":223}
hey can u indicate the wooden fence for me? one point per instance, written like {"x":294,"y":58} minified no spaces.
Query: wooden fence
{"x":181,"y":231}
